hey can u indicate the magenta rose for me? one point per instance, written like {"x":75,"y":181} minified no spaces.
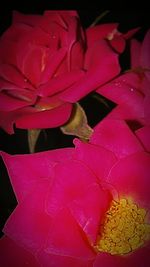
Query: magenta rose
{"x":47,"y":62}
{"x":131,"y":91}
{"x":87,"y":206}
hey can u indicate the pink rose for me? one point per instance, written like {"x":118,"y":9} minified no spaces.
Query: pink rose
{"x":87,"y":206}
{"x":47,"y":62}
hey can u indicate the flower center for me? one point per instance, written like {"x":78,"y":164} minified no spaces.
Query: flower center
{"x":124,"y":228}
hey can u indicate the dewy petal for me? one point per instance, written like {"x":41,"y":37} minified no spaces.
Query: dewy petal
{"x":130,"y":177}
{"x":28,"y":225}
{"x":97,"y":158}
{"x":123,"y":90}
{"x":65,"y":238}
{"x":13,"y":255}
{"x":31,"y":170}
{"x":45,"y":119}
{"x":62,"y":261}
{"x":122,"y":144}
{"x":102,"y":65}
{"x":144,"y":136}
{"x":69,"y":183}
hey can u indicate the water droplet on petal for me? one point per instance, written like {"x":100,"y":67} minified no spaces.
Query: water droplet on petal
{"x":118,"y":84}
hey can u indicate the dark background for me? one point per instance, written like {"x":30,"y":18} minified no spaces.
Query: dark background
{"x":53,"y":138}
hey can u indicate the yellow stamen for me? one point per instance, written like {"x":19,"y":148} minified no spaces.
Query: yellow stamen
{"x":124,"y":228}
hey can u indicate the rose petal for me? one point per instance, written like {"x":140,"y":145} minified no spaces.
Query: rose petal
{"x":48,"y":103}
{"x":72,"y":244}
{"x":147,"y":109}
{"x":107,"y":260}
{"x":7,"y":119}
{"x":130,"y":177}
{"x":10,"y":103}
{"x":15,"y":33}
{"x":123,"y":90}
{"x":98,"y":32}
{"x":118,"y":43}
{"x":13,"y":255}
{"x":145,"y":53}
{"x":89,"y":210}
{"x":138,"y":258}
{"x":131,"y":32}
{"x":4,"y":85}
{"x":60,"y":83}
{"x":45,"y":119}
{"x":122,"y":144}
{"x":102,"y":64}
{"x":56,"y":260}
{"x":31,"y":170}
{"x":135,"y":53}
{"x":38,"y":37}
{"x":12,"y":75}
{"x":144,"y":136}
{"x":24,"y":94}
{"x":60,"y":17}
{"x":71,"y":38}
{"x":68,"y":184}
{"x":77,"y":56}
{"x":97,"y":158}
{"x":31,"y":20}
{"x":134,"y":115}
{"x":29,"y":224}
{"x":54,"y":61}
{"x":31,"y":61}
{"x":145,"y":85}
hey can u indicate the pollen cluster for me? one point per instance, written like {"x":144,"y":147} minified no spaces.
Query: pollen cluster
{"x":124,"y":228}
